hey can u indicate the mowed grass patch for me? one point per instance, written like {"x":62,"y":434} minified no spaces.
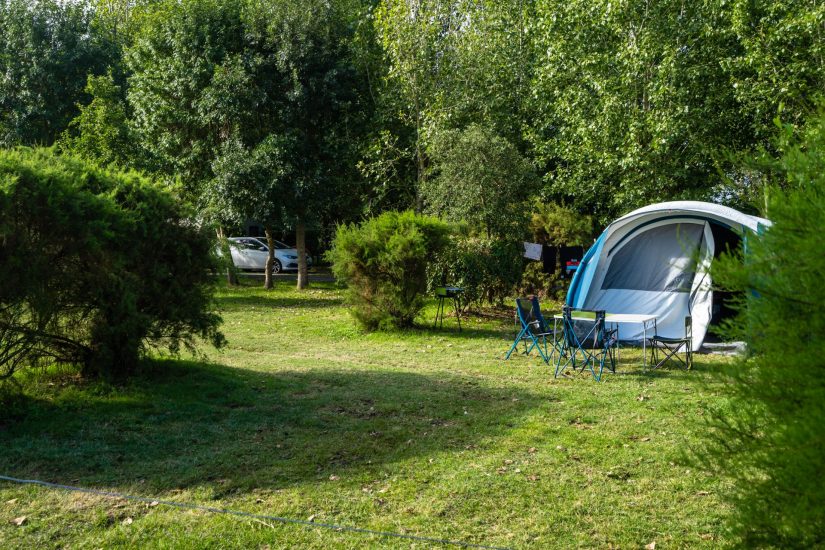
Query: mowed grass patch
{"x":426,"y":432}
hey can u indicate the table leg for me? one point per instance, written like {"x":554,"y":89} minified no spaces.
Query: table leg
{"x":644,"y":345}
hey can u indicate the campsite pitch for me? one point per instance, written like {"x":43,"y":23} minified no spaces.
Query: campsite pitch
{"x":425,"y":432}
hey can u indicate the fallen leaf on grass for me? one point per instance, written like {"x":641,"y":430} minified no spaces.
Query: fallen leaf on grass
{"x":12,"y":501}
{"x":508,"y":461}
{"x":645,"y":439}
{"x":644,"y":398}
{"x":311,"y":518}
{"x":153,"y":503}
{"x":127,"y":521}
{"x":533,"y":478}
{"x":703,"y":493}
{"x":334,"y":478}
{"x":19,"y":521}
{"x":651,"y":546}
{"x":706,"y":536}
{"x":531,"y":450}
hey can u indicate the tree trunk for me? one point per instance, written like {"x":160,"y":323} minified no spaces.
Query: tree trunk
{"x":301,"y":245}
{"x":270,"y":258}
{"x":231,"y":276}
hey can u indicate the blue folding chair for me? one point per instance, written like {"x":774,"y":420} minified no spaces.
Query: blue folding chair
{"x":534,"y":329}
{"x":587,"y":342}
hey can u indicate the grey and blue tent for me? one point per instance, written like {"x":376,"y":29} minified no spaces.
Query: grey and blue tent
{"x":656,"y":260}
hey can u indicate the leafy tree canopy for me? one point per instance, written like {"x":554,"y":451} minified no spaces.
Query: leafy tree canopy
{"x":482,"y":179}
{"x":633,"y":104}
{"x":47,"y":49}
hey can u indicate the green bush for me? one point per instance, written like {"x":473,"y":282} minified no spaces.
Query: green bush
{"x":771,"y":438}
{"x":96,"y":266}
{"x":535,"y":281}
{"x":481,"y":179}
{"x":487,"y":269}
{"x":384,"y":263}
{"x":558,"y":225}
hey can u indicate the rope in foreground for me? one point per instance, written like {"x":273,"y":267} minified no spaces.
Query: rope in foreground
{"x":305,"y":523}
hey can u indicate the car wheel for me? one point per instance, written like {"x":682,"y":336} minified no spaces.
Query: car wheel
{"x":276,"y":266}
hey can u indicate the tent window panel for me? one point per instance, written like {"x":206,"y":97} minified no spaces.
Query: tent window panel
{"x":660,"y":259}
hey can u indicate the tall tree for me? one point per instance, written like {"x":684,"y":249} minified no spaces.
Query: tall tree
{"x":322,"y":112}
{"x":416,"y":36}
{"x":781,"y":65}
{"x":480,"y":178}
{"x":491,"y":69}
{"x":47,"y":50}
{"x":180,"y":65}
{"x":448,"y":64}
{"x":268,"y":87}
{"x":632,"y":100}
{"x":100,"y":132}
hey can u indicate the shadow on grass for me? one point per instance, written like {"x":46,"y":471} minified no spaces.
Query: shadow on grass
{"x":185,"y":424}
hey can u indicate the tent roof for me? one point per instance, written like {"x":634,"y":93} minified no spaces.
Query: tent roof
{"x":721,"y":213}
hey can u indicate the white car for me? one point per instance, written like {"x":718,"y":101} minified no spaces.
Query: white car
{"x":251,"y":253}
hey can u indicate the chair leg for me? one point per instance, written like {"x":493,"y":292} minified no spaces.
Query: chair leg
{"x":563,"y":353}
{"x":672,"y":354}
{"x":516,"y":342}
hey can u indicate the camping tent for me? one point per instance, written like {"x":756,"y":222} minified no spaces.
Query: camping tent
{"x":655,"y":261}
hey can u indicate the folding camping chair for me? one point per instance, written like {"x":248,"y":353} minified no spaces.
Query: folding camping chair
{"x":671,"y":347}
{"x":533,"y":329}
{"x":588,"y":341}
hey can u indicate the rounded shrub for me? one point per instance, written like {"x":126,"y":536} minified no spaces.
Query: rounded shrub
{"x":384,"y":262}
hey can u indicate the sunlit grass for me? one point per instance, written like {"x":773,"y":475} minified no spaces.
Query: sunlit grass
{"x":423,"y":432}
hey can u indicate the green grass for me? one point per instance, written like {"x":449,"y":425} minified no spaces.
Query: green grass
{"x":424,"y":432}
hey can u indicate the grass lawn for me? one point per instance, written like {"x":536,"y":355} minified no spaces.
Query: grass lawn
{"x":425,"y":432}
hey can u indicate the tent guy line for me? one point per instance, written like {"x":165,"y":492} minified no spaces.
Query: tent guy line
{"x":212,"y":510}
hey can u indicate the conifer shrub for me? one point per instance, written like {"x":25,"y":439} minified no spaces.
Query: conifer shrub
{"x":770,"y":438}
{"x":96,"y":267}
{"x":383,"y":261}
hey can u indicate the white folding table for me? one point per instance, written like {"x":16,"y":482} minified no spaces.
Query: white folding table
{"x":618,"y":319}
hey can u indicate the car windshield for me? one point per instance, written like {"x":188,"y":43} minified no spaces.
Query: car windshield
{"x":257,"y":242}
